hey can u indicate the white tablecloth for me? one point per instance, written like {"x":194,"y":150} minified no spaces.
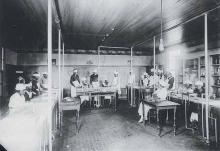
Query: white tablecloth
{"x":26,"y":129}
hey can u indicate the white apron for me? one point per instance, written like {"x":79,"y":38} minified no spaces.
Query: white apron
{"x":73,"y":88}
{"x":146,"y":110}
{"x":73,"y":91}
{"x":95,"y":84}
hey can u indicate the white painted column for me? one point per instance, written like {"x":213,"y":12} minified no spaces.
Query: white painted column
{"x":154,"y":59}
{"x":206,"y":80}
{"x":63,"y":68}
{"x":49,"y":57}
{"x":132,"y":99}
{"x":98,"y":64}
{"x":59,"y":73}
{"x":59,"y":63}
{"x":2,"y":58}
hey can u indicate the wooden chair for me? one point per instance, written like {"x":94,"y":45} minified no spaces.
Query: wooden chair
{"x":74,"y":105}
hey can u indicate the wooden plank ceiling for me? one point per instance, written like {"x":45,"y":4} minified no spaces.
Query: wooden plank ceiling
{"x":86,"y":24}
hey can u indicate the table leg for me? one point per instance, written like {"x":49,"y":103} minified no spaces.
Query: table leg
{"x":115,"y":102}
{"x":158,"y":122}
{"x":185,"y":114}
{"x":174,"y":121}
{"x":77,"y":121}
{"x":61,"y":122}
{"x":143,"y":114}
{"x":90,"y":100}
{"x":202,"y":123}
{"x":167,"y":118}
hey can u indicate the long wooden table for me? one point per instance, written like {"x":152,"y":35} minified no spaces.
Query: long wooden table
{"x":99,"y":92}
{"x":201,"y":101}
{"x":26,"y":129}
{"x":162,"y":105}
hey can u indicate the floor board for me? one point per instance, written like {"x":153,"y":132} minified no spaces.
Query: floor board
{"x":106,"y":130}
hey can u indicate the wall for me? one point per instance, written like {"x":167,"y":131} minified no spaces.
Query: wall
{"x":10,"y":57}
{"x":85,"y":64}
{"x":182,"y":52}
{"x":172,"y":58}
{"x":72,"y":59}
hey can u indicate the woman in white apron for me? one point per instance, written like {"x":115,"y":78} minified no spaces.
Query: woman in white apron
{"x":74,"y":83}
{"x":95,"y":84}
{"x":160,"y":94}
{"x":116,"y":84}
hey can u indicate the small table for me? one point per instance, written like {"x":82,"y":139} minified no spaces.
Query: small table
{"x":68,"y":106}
{"x":163,"y":105}
{"x":101,"y":93}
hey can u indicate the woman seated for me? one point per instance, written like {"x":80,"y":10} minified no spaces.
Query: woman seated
{"x":194,"y":117}
{"x":159,"y":95}
{"x":199,"y":90}
{"x":17,"y":100}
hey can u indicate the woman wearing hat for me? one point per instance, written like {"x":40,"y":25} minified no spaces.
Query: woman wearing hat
{"x":116,"y":83}
{"x":94,"y":79}
{"x":159,"y":95}
{"x":153,"y":79}
{"x":35,"y":83}
{"x":131,"y":78}
{"x":17,"y":100}
{"x":44,"y":81}
{"x":74,"y":82}
{"x":188,"y":87}
{"x":145,"y":79}
{"x":193,"y":107}
{"x":199,"y":90}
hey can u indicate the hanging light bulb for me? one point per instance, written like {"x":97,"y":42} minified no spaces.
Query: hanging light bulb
{"x":161,"y":46}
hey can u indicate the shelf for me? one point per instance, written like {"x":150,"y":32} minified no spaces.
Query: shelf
{"x":202,"y":76}
{"x":216,"y":75}
{"x":202,"y":66}
{"x":215,"y":64}
{"x":217,"y":86}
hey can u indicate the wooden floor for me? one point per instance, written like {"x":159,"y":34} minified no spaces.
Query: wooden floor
{"x":106,"y":130}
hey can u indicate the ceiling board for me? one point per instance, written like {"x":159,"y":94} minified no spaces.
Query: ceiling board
{"x":86,"y":24}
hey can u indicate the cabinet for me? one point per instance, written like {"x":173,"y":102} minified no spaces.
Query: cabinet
{"x":215,"y":75}
{"x":202,"y":69}
{"x":191,"y":70}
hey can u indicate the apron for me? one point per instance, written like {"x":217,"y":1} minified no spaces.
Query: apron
{"x":73,"y":91}
{"x":95,"y":84}
{"x":116,"y":84}
{"x":73,"y":88}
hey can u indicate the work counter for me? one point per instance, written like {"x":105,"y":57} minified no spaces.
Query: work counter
{"x":214,"y":113}
{"x":26,"y":129}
